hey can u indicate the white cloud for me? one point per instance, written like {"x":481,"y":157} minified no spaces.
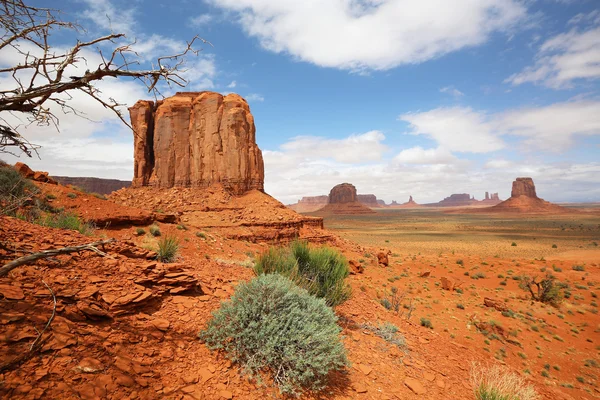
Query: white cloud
{"x":418,"y":155}
{"x":110,"y":18}
{"x":201,"y":20}
{"x":457,"y":129}
{"x":563,"y":59}
{"x":551,"y":128}
{"x":452,"y":91}
{"x":353,"y":149}
{"x":232,"y":84}
{"x":254,"y":97}
{"x":498,"y":163}
{"x":372,"y":34}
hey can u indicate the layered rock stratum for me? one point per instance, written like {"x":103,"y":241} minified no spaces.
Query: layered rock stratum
{"x":196,"y":139}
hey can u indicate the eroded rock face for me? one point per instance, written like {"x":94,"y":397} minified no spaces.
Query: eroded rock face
{"x":523,"y":187}
{"x":93,"y":185}
{"x":196,"y":139}
{"x":343,"y":193}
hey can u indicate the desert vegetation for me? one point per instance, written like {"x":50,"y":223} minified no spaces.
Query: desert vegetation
{"x":321,"y":271}
{"x":497,"y":383}
{"x":270,"y":324}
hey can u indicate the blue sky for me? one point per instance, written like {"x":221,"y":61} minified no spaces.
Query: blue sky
{"x":399,"y":97}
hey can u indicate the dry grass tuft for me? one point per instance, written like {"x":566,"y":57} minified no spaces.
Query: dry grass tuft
{"x":497,"y":383}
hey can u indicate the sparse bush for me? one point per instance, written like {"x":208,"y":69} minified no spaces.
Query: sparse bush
{"x":321,"y":271}
{"x":388,"y":332}
{"x":168,"y":247}
{"x":140,"y":231}
{"x":426,"y":323}
{"x":544,"y":290}
{"x":497,"y":383}
{"x":201,"y":235}
{"x":50,"y":196}
{"x":66,"y":220}
{"x":460,"y":262}
{"x":182,"y":227}
{"x":460,"y":306}
{"x":271,"y":325}
{"x":578,"y":268}
{"x":554,"y":246}
{"x":154,"y":230}
{"x":514,"y":244}
{"x":14,"y":190}
{"x":72,"y":195}
{"x":478,"y":275}
{"x":99,"y":196}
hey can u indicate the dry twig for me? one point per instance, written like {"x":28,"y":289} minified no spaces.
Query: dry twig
{"x":6,"y":268}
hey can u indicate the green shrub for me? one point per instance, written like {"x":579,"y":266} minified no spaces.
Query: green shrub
{"x":50,"y":196}
{"x":321,"y":271}
{"x":513,"y":244}
{"x":168,"y":247}
{"x":460,"y":306}
{"x":460,"y":262}
{"x":578,"y":268}
{"x":154,"y":230}
{"x":272,"y":325}
{"x":72,"y":195}
{"x":545,"y":290}
{"x":14,"y":190}
{"x":554,"y":246}
{"x":201,"y":235}
{"x":140,"y":231}
{"x":99,"y":196}
{"x":426,"y":323}
{"x":66,"y":220}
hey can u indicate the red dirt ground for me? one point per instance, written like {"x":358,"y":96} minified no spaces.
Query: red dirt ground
{"x":126,"y":326}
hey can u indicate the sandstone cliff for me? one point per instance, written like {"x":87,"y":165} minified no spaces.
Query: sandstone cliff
{"x":309,"y":203}
{"x":196,"y":139}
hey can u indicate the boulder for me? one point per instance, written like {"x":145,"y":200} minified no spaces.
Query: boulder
{"x":24,"y":170}
{"x":382,"y":258}
{"x":196,"y":139}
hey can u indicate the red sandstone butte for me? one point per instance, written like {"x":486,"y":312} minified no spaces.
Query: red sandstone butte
{"x":196,"y":139}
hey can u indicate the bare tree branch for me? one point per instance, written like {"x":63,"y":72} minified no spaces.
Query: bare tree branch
{"x":6,"y":268}
{"x":41,"y":74}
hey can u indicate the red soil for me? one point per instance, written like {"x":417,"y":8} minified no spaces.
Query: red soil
{"x":126,"y":326}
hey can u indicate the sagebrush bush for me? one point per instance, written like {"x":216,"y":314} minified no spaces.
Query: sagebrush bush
{"x":168,"y":248}
{"x":321,"y":271}
{"x":66,"y":220}
{"x":272,"y":325}
{"x":154,"y":230}
{"x":497,"y":383}
{"x":14,"y":190}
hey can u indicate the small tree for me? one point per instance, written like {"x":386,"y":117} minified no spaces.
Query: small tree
{"x":544,"y":290}
{"x":47,"y":73}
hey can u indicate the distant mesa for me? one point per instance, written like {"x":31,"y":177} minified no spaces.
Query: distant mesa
{"x":196,"y":139}
{"x":309,"y":204}
{"x":409,"y":204}
{"x":524,"y":199}
{"x":467,"y":200}
{"x":344,"y":200}
{"x":93,"y":185}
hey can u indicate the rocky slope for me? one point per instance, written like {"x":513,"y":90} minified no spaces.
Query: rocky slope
{"x":196,"y":139}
